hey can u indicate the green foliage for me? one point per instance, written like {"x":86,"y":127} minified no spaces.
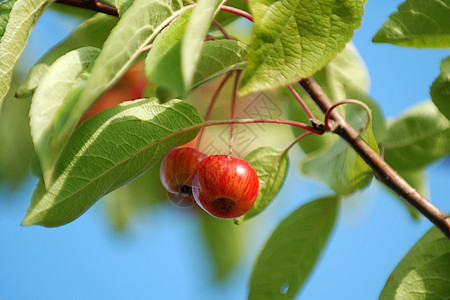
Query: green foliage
{"x":5,"y":10}
{"x":271,"y":165}
{"x":440,"y":89}
{"x":196,"y":30}
{"x":424,"y":272}
{"x":292,"y":250}
{"x":339,"y":166}
{"x":22,"y":18}
{"x":294,"y":39}
{"x":163,"y":63}
{"x":224,"y":241}
{"x":48,"y":103}
{"x":106,"y":151}
{"x":418,"y":23}
{"x":92,"y":32}
{"x":419,"y":137}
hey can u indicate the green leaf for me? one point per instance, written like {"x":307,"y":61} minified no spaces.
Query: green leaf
{"x":163,"y":63}
{"x":293,"y":39}
{"x":440,"y":89}
{"x":48,"y":101}
{"x":292,"y":250}
{"x":92,"y":32}
{"x":107,"y":151}
{"x":339,"y":166}
{"x":192,"y":43}
{"x":224,"y":17}
{"x":419,"y":137}
{"x":225,"y":242}
{"x":271,"y":165}
{"x":418,"y":23}
{"x":16,"y":147}
{"x":123,"y":5}
{"x":134,"y":198}
{"x":22,"y":18}
{"x":424,"y":272}
{"x":139,"y":25}
{"x":5,"y":10}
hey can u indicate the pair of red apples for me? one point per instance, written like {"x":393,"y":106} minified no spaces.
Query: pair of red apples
{"x":224,"y":186}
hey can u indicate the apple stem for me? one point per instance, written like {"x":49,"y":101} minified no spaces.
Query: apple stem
{"x":211,"y":105}
{"x":302,"y":103}
{"x":237,"y":11}
{"x":348,"y":101}
{"x":233,"y":110}
{"x":296,"y":141}
{"x":224,"y":32}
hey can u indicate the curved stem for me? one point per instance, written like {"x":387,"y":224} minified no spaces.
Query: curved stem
{"x":296,"y":141}
{"x":233,"y":111}
{"x":224,"y":32}
{"x":237,"y":12}
{"x":382,"y":170}
{"x":348,"y":101}
{"x":91,"y":5}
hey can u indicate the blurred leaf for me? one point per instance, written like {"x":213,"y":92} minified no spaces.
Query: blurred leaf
{"x":292,"y":250}
{"x":109,"y":2}
{"x":294,"y":39}
{"x":417,"y":179}
{"x":107,"y":151}
{"x":5,"y":10}
{"x":22,"y":18}
{"x":192,"y":42}
{"x":16,"y":147}
{"x":440,"y":89}
{"x":163,"y":63}
{"x":225,"y":242}
{"x":271,"y":165}
{"x":339,"y":166}
{"x":418,"y":23}
{"x":49,"y":99}
{"x":138,"y":26}
{"x":424,"y":272}
{"x":136,"y":197}
{"x":91,"y":32}
{"x":419,"y":137}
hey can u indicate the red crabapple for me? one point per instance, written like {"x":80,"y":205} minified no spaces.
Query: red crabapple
{"x":224,"y":186}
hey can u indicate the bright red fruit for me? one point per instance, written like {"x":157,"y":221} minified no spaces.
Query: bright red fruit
{"x":224,"y":186}
{"x":178,"y":168}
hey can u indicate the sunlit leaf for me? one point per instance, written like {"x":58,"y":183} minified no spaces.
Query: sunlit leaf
{"x":5,"y":10}
{"x":271,"y":165}
{"x":92,"y":32}
{"x":123,"y":5}
{"x":417,"y":138}
{"x":48,"y":100}
{"x":107,"y":151}
{"x":22,"y":18}
{"x":294,"y":39}
{"x":225,"y":242}
{"x":292,"y":250}
{"x":418,"y":23}
{"x":196,"y":30}
{"x":163,"y":63}
{"x":440,"y":89}
{"x":424,"y":272}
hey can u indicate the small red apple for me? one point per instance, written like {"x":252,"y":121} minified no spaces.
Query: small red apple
{"x":224,"y":186}
{"x":178,"y":168}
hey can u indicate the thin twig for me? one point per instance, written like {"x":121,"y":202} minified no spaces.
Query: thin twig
{"x":91,"y":5}
{"x":382,"y":170}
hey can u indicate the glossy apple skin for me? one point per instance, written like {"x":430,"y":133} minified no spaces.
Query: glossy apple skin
{"x":224,"y":186}
{"x":178,"y":168}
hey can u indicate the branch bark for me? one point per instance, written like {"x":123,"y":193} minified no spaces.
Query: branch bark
{"x":91,"y":5}
{"x":382,"y":170}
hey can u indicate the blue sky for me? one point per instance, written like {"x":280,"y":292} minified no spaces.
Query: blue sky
{"x":163,"y":257}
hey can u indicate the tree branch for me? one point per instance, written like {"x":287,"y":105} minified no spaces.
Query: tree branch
{"x":91,"y":5}
{"x":382,"y":170}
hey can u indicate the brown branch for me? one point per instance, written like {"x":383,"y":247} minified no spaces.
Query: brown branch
{"x":91,"y":5}
{"x":382,"y":170}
